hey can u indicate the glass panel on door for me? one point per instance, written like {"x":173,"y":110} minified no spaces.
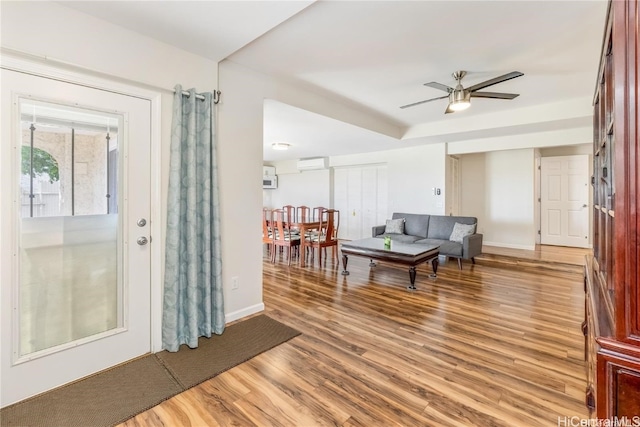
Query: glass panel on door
{"x":70,"y":284}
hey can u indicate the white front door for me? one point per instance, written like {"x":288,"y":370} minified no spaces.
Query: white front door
{"x":74,"y":225}
{"x":564,"y":194}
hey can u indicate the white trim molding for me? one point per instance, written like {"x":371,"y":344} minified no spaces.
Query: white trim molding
{"x":248,"y":311}
{"x":510,"y":246}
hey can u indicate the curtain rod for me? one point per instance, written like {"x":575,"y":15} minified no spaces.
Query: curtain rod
{"x":216,"y":95}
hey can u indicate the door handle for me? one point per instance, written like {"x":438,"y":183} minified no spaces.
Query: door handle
{"x":142,"y":240}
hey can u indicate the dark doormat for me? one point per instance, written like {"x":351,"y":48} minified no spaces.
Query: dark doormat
{"x":115,"y":395}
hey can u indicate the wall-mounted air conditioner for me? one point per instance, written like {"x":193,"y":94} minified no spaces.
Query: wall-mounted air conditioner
{"x":312,"y":164}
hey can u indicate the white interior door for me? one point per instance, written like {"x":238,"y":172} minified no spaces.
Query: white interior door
{"x":74,"y":217}
{"x":369,"y":200}
{"x":564,"y":194}
{"x":354,"y":204}
{"x":340,"y":200}
{"x":452,"y":192}
{"x":360,"y":194}
{"x":382,"y":197}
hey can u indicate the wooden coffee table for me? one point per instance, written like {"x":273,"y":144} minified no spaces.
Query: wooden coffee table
{"x":410,"y":254}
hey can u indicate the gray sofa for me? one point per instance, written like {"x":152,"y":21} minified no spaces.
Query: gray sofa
{"x":436,"y":230}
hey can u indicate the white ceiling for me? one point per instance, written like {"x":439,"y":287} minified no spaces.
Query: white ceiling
{"x":211,"y":29}
{"x":376,"y":56}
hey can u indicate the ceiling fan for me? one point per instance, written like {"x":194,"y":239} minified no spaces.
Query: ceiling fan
{"x":460,"y":98}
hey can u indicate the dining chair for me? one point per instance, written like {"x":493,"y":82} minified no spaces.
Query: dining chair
{"x":289,"y":213}
{"x":326,"y":237}
{"x":291,"y":217}
{"x":316,"y":216}
{"x":303,"y":214}
{"x":267,"y":232}
{"x":283,"y":237}
{"x":317,"y":212}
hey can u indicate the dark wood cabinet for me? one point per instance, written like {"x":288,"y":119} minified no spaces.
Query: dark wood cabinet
{"x":612,"y":275}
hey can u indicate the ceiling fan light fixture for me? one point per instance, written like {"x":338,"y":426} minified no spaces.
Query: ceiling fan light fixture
{"x":459,"y":105}
{"x":281,"y":146}
{"x":459,"y":100}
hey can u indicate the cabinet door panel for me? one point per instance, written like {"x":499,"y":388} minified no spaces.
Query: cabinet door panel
{"x":618,"y":386}
{"x":627,"y":391}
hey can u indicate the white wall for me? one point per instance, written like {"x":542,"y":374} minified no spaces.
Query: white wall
{"x":308,"y":188}
{"x":558,"y":138}
{"x":537,"y":196}
{"x":412,"y":173}
{"x":570,"y":150}
{"x":498,"y":188}
{"x":240,"y":138}
{"x":49,"y":29}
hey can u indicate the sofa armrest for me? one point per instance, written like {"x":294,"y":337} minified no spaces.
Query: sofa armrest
{"x":471,"y":246}
{"x":377,"y":230}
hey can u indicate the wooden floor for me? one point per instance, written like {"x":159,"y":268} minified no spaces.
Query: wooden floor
{"x":543,"y":253}
{"x":496,"y":344}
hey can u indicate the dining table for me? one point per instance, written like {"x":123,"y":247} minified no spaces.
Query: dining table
{"x":303,"y":228}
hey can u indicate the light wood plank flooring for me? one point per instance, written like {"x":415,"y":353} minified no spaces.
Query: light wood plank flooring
{"x":543,"y":253}
{"x":496,"y":344}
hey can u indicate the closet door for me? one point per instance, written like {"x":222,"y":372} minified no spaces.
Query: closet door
{"x":360,"y":194}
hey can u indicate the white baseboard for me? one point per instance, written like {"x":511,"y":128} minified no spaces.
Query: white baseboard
{"x":239,"y":314}
{"x":510,"y":246}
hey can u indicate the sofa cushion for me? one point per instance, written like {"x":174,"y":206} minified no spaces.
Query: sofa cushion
{"x":394,"y":226}
{"x":440,"y":227}
{"x":402,"y":238}
{"x":447,"y":247}
{"x":414,"y":224}
{"x":460,"y":231}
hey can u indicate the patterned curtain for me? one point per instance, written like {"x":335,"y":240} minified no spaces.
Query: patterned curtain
{"x":193,"y":298}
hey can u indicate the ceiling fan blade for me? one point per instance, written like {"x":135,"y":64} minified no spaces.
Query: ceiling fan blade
{"x":495,"y":80}
{"x":440,"y":86}
{"x":496,"y":95}
{"x":423,"y":102}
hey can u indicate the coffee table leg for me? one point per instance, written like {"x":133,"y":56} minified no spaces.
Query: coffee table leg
{"x":345,"y":259}
{"x":412,"y":277}
{"x":434,"y":265}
